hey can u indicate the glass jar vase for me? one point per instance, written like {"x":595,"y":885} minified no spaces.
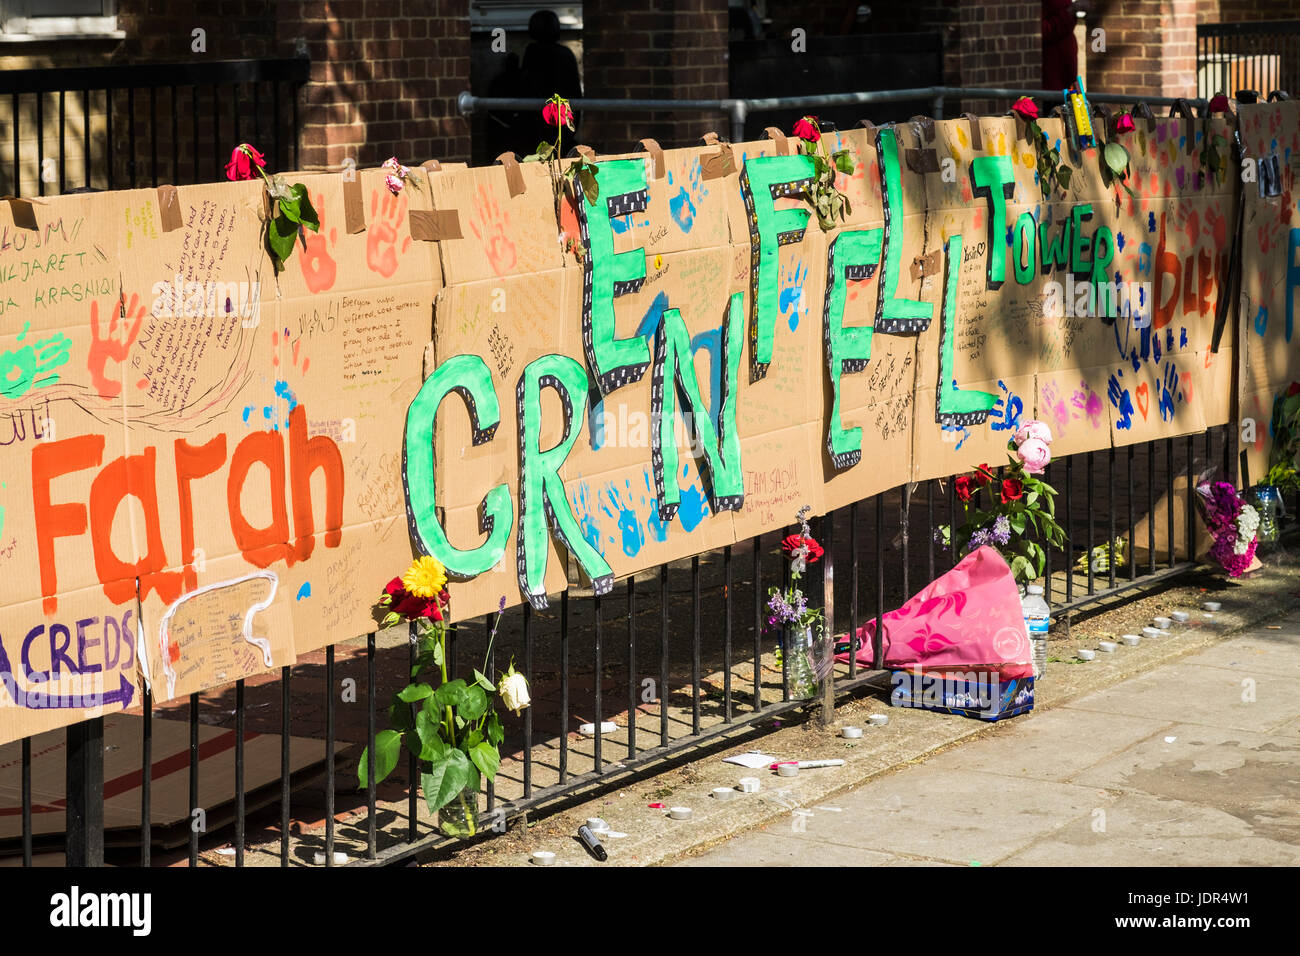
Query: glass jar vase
{"x":797,"y":661}
{"x":1267,"y":500}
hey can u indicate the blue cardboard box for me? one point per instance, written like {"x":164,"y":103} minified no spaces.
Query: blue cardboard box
{"x":979,"y":695}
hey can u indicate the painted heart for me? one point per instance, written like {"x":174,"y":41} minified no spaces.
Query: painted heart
{"x":1143,"y":395}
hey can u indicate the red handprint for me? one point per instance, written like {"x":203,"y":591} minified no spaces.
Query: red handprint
{"x":490,"y":225}
{"x":381,"y":233}
{"x":318,"y":267}
{"x":114,"y":345}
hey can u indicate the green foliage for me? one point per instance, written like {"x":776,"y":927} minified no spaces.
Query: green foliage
{"x":827,"y":202}
{"x":293,"y":213}
{"x":1052,"y":173}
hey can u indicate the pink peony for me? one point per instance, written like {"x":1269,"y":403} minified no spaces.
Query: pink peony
{"x":1033,"y":429}
{"x":1034,"y":455}
{"x":393,"y":183}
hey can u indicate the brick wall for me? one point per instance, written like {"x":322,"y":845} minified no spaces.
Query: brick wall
{"x":653,"y":49}
{"x":385,"y":75}
{"x":1150,"y":48}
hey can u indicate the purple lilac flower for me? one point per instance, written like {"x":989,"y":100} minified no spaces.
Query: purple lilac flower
{"x":1002,"y":530}
{"x":780,"y":608}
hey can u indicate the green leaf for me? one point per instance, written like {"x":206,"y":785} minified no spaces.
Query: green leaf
{"x":280,"y":235}
{"x":483,"y":682}
{"x":1017,"y":522}
{"x":399,"y":715}
{"x":545,"y":150}
{"x":844,"y":162}
{"x":1030,"y":499}
{"x":446,"y":778}
{"x":1116,"y":158}
{"x":587,"y":179}
{"x":413,"y":692}
{"x":473,"y":703}
{"x":388,"y":747}
{"x":495,"y":733}
{"x":486,"y":758}
{"x":1063,"y":174}
{"x":306,"y":212}
{"x":428,"y":726}
{"x":289,"y":209}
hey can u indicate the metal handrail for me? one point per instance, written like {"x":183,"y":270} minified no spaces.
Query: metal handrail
{"x":739,"y":109}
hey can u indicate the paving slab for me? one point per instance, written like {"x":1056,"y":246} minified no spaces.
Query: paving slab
{"x":1214,"y":696}
{"x":1255,"y":777}
{"x":767,"y":848}
{"x":1142,"y":830}
{"x":958,"y":816}
{"x":1056,"y":745}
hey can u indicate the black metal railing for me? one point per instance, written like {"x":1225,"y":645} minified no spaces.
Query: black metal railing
{"x":117,"y":127}
{"x":1262,"y":56}
{"x":709,"y":676}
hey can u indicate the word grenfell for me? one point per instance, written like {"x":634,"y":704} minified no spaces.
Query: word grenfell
{"x":1108,"y":300}
{"x":195,"y":300}
{"x":76,"y":909}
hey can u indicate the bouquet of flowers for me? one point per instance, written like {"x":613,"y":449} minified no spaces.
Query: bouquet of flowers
{"x":788,"y":608}
{"x":1233,"y":523}
{"x":1020,"y":510}
{"x":450,"y":725}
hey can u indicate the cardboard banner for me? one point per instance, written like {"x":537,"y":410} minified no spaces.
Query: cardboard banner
{"x":209,"y":467}
{"x":1270,"y":272}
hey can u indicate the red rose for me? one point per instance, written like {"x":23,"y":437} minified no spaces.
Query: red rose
{"x":1026,"y":108}
{"x":1124,"y":124}
{"x":791,"y":544}
{"x":1012,"y":490}
{"x":1294,"y":388}
{"x":411,"y":607}
{"x":553,"y":114}
{"x":806,"y":129}
{"x":983,"y":475}
{"x":1220,"y":104}
{"x":963,"y":486}
{"x":241,"y":162}
{"x":394,"y":587}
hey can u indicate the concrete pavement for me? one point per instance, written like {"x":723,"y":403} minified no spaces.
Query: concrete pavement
{"x":1195,"y":762}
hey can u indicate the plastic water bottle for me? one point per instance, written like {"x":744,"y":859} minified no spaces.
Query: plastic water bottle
{"x":1038,"y":619}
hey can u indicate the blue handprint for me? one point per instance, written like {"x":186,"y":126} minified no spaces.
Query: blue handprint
{"x":582,"y":509}
{"x":628,"y":523}
{"x":1168,"y":392}
{"x":1005,"y":415}
{"x":1121,"y":399}
{"x":655,"y":524}
{"x":694,"y":507}
{"x":791,"y":297}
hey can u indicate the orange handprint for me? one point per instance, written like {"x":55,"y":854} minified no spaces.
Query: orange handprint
{"x":381,"y":234}
{"x":490,"y":223}
{"x":318,"y":267}
{"x":114,"y":345}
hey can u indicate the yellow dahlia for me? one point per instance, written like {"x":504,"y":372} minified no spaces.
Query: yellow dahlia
{"x":425,"y":578}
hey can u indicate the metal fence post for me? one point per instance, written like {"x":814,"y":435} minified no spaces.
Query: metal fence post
{"x":85,"y":793}
{"x":738,"y":111}
{"x":828,"y":599}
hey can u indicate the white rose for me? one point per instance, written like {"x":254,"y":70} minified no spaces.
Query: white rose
{"x":513,"y":688}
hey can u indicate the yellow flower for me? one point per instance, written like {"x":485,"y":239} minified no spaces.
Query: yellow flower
{"x":425,"y":578}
